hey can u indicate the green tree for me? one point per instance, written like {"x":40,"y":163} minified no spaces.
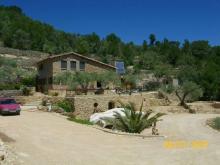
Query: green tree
{"x":75,"y":80}
{"x":113,"y":44}
{"x":200,"y":49}
{"x":144,"y":45}
{"x":148,"y":60}
{"x":21,"y":40}
{"x":161,"y":71}
{"x":152,"y":39}
{"x":188,"y":91}
{"x":82,"y":46}
{"x":94,"y":42}
{"x":108,"y":78}
{"x":186,"y":47}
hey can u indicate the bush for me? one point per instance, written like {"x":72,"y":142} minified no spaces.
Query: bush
{"x":25,"y":91}
{"x":152,"y":86}
{"x":29,"y":81}
{"x":66,"y":106}
{"x":216,"y":123}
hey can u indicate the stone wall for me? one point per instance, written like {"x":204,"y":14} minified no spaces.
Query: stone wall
{"x":17,"y":52}
{"x":10,"y":93}
{"x":84,"y":105}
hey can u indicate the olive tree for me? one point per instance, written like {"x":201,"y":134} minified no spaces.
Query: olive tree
{"x":106,"y":78}
{"x":188,"y":91}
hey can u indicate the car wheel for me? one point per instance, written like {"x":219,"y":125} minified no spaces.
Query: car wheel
{"x":18,"y":113}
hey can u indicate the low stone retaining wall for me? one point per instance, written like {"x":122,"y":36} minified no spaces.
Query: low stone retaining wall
{"x":10,"y":93}
{"x":84,"y":105}
{"x":17,"y":52}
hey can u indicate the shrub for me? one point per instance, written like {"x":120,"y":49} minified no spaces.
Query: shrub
{"x":152,"y":86}
{"x":25,"y":91}
{"x":216,"y":123}
{"x":66,"y":106}
{"x":29,"y":81}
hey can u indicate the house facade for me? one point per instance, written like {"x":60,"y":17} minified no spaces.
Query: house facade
{"x":69,"y":62}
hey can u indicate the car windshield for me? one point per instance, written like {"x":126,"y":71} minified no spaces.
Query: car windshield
{"x":8,"y":101}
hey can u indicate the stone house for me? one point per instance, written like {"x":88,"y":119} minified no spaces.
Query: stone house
{"x":68,"y":62}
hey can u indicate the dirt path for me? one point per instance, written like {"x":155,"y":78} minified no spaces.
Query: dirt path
{"x":49,"y":139}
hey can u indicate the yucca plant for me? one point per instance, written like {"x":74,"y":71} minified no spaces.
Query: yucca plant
{"x":133,"y":120}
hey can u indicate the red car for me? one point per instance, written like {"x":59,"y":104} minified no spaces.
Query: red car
{"x":9,"y":106}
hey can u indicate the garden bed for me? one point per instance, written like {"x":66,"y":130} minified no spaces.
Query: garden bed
{"x":116,"y":132}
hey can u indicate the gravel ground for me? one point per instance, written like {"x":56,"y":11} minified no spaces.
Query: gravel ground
{"x":49,"y":139}
{"x":7,"y":154}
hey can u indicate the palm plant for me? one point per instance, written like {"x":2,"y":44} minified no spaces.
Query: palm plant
{"x":132,"y":120}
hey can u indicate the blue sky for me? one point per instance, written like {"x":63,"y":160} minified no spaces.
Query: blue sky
{"x":132,"y":20}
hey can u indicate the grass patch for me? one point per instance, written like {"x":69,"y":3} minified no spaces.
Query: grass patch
{"x":215,"y":123}
{"x":80,"y":121}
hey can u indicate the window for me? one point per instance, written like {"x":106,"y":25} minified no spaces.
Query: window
{"x":73,"y":65}
{"x":82,"y":65}
{"x":63,"y":65}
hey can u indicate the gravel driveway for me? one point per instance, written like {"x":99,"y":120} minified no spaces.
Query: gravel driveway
{"x":49,"y":139}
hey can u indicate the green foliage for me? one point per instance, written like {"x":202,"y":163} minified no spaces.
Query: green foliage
{"x":8,"y":62}
{"x":152,"y":38}
{"x":167,"y":88}
{"x":133,"y":120}
{"x":216,"y":123}
{"x":188,"y":91}
{"x":200,"y":49}
{"x":162,"y":71}
{"x":130,"y":80}
{"x":152,"y":85}
{"x":144,"y":45}
{"x":66,"y":106}
{"x":9,"y":86}
{"x":25,"y":90}
{"x":12,"y":76}
{"x":83,"y":79}
{"x":108,"y":77}
{"x":80,"y":121}
{"x":148,"y":60}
